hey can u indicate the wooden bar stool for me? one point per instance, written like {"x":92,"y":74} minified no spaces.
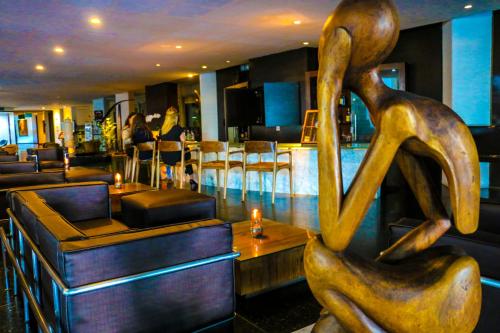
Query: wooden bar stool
{"x":217,"y":147}
{"x":265,"y":147}
{"x":137,"y":162}
{"x":169,"y":147}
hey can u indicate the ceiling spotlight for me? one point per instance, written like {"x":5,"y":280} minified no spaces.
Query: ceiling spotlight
{"x":95,"y":21}
{"x":468,"y":6}
{"x":58,"y":50}
{"x":40,"y":68}
{"x":43,"y":107}
{"x":190,"y":75}
{"x":305,"y":43}
{"x":204,"y":66}
{"x":228,"y":61}
{"x":157,"y":65}
{"x":297,"y":22}
{"x":178,"y":46}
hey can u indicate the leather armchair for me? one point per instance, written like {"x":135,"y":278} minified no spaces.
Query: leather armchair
{"x":50,"y":158}
{"x":115,"y":278}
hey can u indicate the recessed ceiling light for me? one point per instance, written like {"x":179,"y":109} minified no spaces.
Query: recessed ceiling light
{"x":228,"y":61}
{"x":468,"y":6}
{"x":190,"y":75}
{"x":58,"y":50}
{"x":43,"y":107}
{"x":178,"y":46}
{"x":40,"y":68}
{"x":204,"y":66}
{"x":95,"y":21}
{"x":297,"y":22}
{"x":305,"y":43}
{"x":157,"y":65}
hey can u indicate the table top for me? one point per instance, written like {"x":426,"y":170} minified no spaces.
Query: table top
{"x":276,"y":237}
{"x":128,"y":188}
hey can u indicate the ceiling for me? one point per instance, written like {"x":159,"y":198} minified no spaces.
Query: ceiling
{"x":121,"y":54}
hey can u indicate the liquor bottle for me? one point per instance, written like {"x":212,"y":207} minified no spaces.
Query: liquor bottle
{"x":348,"y":115}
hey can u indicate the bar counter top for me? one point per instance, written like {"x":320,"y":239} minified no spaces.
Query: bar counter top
{"x":305,"y":169}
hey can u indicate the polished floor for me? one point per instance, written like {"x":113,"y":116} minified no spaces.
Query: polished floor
{"x":285,"y":309}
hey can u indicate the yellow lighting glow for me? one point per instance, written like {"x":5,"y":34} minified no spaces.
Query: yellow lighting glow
{"x":297,"y":22}
{"x":190,"y":75}
{"x":178,"y":46}
{"x":305,"y":43}
{"x":157,"y":65}
{"x":58,"y":50}
{"x":204,"y":66}
{"x":95,"y":21}
{"x":40,"y":68}
{"x":228,"y":61}
{"x":468,"y":6}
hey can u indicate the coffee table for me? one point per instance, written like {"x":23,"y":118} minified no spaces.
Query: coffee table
{"x":115,"y":194}
{"x":271,"y":261}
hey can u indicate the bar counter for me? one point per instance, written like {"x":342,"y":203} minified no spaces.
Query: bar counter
{"x":305,"y":169}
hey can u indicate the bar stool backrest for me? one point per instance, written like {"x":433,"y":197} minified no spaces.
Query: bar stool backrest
{"x":146,"y":146}
{"x":169,"y":146}
{"x":213,"y":146}
{"x":260,"y":147}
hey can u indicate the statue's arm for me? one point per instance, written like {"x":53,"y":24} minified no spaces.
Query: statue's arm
{"x":334,"y":57}
{"x":426,"y":234}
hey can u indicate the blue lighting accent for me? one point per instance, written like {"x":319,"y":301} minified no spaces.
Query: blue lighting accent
{"x":490,"y":282}
{"x":484,"y":168}
{"x":471,"y":47}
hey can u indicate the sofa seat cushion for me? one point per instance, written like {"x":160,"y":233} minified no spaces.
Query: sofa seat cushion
{"x":82,"y":174}
{"x":9,"y":158}
{"x":156,"y":208}
{"x":481,"y":245}
{"x":98,"y":227}
{"x":51,"y":164}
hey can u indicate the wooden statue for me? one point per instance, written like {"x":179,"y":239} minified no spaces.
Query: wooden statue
{"x":410,"y":287}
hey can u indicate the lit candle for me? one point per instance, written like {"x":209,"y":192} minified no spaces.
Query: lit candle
{"x":256,"y":228}
{"x":118,"y":180}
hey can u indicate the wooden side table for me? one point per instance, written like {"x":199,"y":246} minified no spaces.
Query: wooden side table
{"x":271,"y":261}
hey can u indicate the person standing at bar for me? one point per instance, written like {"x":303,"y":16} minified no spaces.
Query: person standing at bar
{"x":171,"y":131}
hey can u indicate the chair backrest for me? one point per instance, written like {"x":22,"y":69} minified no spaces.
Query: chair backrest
{"x":213,"y":146}
{"x":146,"y":146}
{"x":260,"y":147}
{"x":169,"y":146}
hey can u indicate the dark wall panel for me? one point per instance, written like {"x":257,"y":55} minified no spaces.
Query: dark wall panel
{"x":226,"y":77}
{"x":421,"y":49}
{"x":289,"y":66}
{"x":159,"y":98}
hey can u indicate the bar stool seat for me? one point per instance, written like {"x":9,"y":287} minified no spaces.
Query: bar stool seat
{"x":221,"y":164}
{"x":269,"y":166}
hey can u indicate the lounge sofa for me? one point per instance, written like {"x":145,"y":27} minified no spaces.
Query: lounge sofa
{"x":176,"y":278}
{"x":48,"y":158}
{"x":16,"y":174}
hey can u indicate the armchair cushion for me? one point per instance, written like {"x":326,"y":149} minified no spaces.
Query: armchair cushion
{"x":9,"y":158}
{"x":49,"y":154}
{"x":156,"y":208}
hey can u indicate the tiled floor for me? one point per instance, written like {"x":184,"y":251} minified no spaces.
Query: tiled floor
{"x":286,"y":309}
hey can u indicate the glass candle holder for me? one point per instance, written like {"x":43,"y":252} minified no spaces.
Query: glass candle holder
{"x":118,"y":180}
{"x":66,"y":161}
{"x":256,"y":228}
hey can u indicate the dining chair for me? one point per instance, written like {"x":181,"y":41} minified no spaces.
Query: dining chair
{"x":149,"y":146}
{"x":265,"y":147}
{"x":226,"y":164}
{"x":169,"y":147}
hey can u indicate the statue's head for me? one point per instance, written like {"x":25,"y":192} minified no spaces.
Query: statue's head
{"x":374,"y":29}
